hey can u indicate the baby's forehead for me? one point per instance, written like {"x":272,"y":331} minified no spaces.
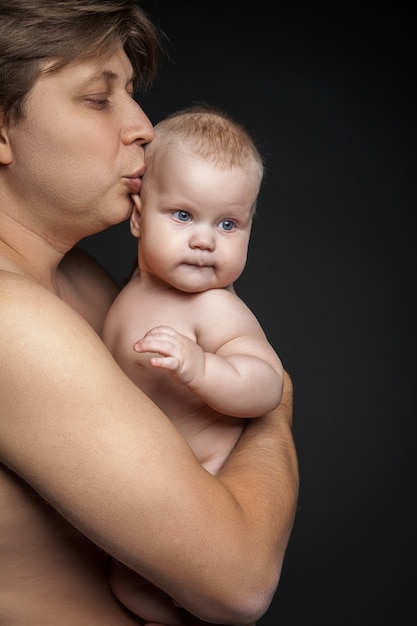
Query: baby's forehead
{"x":165,"y":147}
{"x":186,"y":180}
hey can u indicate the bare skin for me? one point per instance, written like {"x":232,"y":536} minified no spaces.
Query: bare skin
{"x":87,"y":459}
{"x":51,"y":574}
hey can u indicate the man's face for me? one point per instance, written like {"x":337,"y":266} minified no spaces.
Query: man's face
{"x":78,"y":152}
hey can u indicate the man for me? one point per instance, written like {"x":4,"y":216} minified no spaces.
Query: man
{"x":90,"y":466}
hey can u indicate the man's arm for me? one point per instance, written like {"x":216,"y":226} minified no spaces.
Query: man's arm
{"x":100,"y":452}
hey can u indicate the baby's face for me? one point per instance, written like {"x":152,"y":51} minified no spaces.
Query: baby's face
{"x":195,"y":221}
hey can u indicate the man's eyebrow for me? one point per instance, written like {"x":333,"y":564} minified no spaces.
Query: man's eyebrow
{"x":107,"y":75}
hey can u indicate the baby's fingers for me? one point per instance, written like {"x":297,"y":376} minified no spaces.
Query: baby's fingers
{"x":166,"y":362}
{"x":161,"y":331}
{"x":158,"y":343}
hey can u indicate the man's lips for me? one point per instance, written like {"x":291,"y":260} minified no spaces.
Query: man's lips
{"x":135,"y":180}
{"x":134,"y":184}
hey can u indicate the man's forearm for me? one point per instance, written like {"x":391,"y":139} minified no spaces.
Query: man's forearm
{"x":265,"y":463}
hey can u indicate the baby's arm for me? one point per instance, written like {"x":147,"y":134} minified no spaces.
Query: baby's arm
{"x":241,"y":375}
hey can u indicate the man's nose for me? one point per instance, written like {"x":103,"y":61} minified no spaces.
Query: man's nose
{"x":137,"y":125}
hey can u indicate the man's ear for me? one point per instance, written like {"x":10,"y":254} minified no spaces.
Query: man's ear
{"x":5,"y":148}
{"x":135,"y":217}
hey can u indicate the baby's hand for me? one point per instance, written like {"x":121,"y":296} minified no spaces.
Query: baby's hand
{"x":177,"y":353}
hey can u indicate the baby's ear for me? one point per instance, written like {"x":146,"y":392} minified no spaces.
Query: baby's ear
{"x":5,"y":149}
{"x":135,"y":217}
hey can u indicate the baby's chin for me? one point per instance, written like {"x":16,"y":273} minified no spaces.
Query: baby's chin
{"x":198,"y":286}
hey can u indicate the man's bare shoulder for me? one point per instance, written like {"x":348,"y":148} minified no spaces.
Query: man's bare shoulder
{"x":53,"y":368}
{"x":35,"y":326}
{"x":20,"y":293}
{"x":25,"y":301}
{"x":41,"y":334}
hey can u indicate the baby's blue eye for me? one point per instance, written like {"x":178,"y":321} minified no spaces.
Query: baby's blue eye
{"x":227,"y":225}
{"x":182,"y":216}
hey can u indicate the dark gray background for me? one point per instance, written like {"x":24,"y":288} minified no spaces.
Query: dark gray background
{"x":327,"y":94}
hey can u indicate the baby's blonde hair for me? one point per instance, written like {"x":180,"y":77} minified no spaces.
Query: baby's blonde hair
{"x":210,"y":134}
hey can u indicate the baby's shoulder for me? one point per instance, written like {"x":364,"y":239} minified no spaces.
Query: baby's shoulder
{"x":219,"y":299}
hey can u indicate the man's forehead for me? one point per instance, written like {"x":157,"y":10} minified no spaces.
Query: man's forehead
{"x":92,"y":70}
